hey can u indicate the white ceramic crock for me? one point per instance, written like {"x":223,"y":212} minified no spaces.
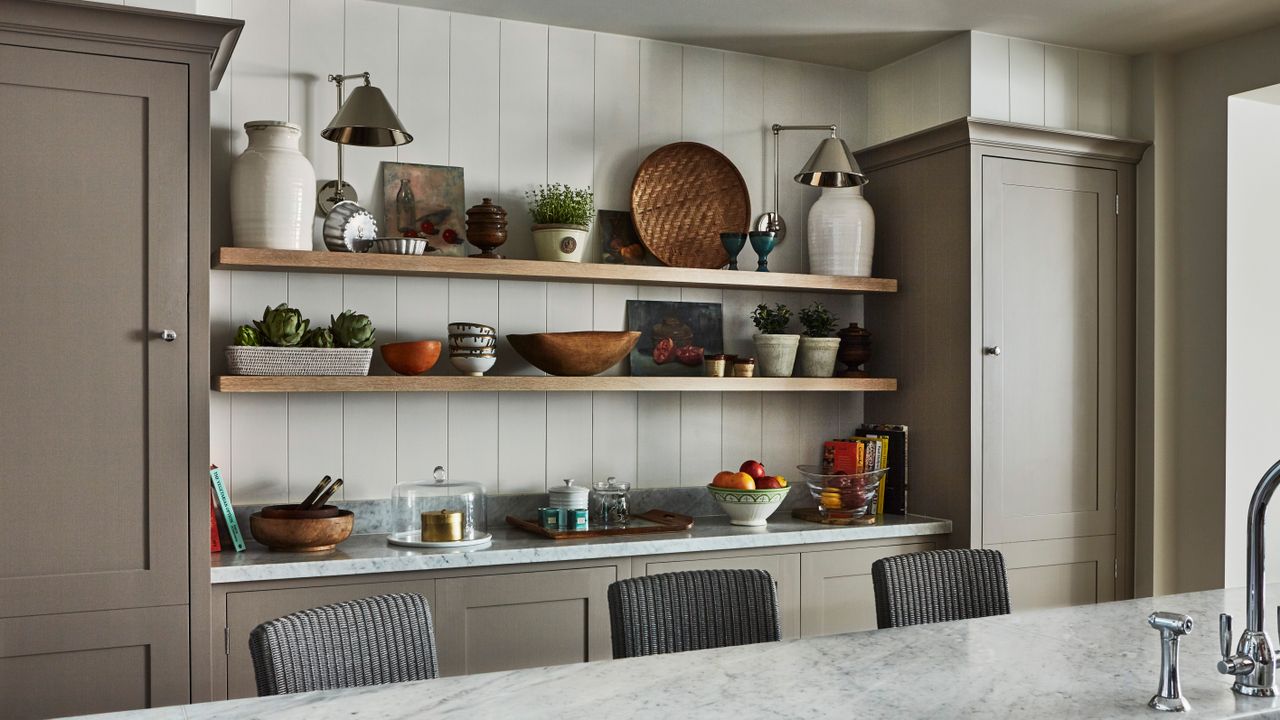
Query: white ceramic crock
{"x":273,"y":189}
{"x":842,"y":231}
{"x":562,"y":243}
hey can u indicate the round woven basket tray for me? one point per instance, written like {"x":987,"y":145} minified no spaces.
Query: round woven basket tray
{"x":684,"y":195}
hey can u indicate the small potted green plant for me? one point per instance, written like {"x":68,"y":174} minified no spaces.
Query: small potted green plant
{"x":561,"y":218}
{"x":775,"y":348}
{"x":817,"y":348}
{"x":284,"y":343}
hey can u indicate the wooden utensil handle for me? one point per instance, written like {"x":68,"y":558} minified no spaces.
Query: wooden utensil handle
{"x":310,"y":502}
{"x":324,"y":498}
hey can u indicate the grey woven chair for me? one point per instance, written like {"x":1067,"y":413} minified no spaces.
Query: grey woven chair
{"x":674,"y":612}
{"x":371,"y":641}
{"x":939,"y":585}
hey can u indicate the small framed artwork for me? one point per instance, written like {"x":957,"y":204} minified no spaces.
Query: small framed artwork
{"x":674,"y":336}
{"x":618,"y":237}
{"x":425,"y":201}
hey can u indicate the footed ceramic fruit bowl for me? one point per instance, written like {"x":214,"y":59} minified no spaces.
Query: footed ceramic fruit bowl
{"x":748,"y":507}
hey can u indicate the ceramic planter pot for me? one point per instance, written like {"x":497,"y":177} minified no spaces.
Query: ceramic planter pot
{"x":776,"y":354}
{"x":562,"y":243}
{"x":817,"y":356}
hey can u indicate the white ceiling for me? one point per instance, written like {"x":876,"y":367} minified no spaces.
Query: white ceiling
{"x":866,"y":34}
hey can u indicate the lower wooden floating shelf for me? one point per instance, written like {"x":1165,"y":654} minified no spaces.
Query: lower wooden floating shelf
{"x":542,"y":383}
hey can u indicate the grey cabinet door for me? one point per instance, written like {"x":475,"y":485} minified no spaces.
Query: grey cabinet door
{"x":836,"y":592}
{"x":93,"y":265}
{"x":1049,"y":398}
{"x":56,"y":665}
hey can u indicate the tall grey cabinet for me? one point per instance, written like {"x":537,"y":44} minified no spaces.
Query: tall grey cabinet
{"x":1012,"y":338}
{"x":104,"y":145}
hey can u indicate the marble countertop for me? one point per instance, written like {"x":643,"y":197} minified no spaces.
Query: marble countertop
{"x":363,"y":554}
{"x":1088,"y":662}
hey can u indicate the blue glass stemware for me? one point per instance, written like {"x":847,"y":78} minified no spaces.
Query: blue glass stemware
{"x":733,"y":243}
{"x":763,"y":242}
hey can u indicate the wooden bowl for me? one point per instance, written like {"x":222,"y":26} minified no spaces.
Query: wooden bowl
{"x":575,"y":354}
{"x":293,"y":512}
{"x":302,"y":534}
{"x":411,"y":358}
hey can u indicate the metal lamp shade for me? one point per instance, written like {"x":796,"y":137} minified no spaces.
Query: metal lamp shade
{"x":366,"y":118}
{"x":831,"y":166}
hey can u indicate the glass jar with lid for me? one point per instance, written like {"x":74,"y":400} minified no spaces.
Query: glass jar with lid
{"x":609,"y":503}
{"x":429,"y":510}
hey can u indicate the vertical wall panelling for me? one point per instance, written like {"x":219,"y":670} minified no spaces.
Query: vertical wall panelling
{"x":700,"y":413}
{"x":569,"y":426}
{"x":422,"y":427}
{"x":658,"y":421}
{"x":369,"y":427}
{"x":423,"y":87}
{"x":473,"y":417}
{"x":522,"y":138}
{"x":312,"y":100}
{"x":990,"y":76}
{"x":925,"y":69}
{"x":522,"y":417}
{"x":1121,"y":75}
{"x":953,"y":78}
{"x":315,"y":421}
{"x":613,"y":414}
{"x":369,"y":46}
{"x":259,"y":423}
{"x":1060,"y":87}
{"x":783,"y":85}
{"x":746,"y":138}
{"x":1026,"y":81}
{"x":661,"y":95}
{"x":617,"y":111}
{"x":260,"y":63}
{"x":1095,"y":92}
{"x":702,"y":117}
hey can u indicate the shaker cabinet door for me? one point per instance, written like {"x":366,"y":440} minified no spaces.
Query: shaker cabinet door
{"x":93,"y":266}
{"x":1049,"y":395}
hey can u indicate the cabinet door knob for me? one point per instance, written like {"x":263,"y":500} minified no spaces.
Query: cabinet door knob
{"x":993,"y":350}
{"x":168,"y":335}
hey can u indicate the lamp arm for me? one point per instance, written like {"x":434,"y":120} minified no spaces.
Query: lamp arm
{"x":338,"y":80}
{"x":777,"y":192}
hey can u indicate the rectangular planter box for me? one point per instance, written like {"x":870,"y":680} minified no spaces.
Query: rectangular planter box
{"x":298,"y":361}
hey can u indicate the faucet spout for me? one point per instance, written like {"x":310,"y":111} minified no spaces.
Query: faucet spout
{"x":1256,"y":548}
{"x":1254,"y":662}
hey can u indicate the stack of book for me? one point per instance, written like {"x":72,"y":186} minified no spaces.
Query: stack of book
{"x":872,"y":448}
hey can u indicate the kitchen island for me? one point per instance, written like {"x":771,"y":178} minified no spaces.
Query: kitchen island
{"x":1096,"y":661}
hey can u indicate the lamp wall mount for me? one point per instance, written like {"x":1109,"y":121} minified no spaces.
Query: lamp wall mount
{"x":335,"y":191}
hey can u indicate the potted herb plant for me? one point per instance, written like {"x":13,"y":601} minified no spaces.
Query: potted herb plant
{"x":817,"y":348}
{"x":284,"y":343}
{"x":775,"y":348}
{"x":561,"y":218}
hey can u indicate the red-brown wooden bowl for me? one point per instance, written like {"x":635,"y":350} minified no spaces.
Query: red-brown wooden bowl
{"x":301,"y":534}
{"x":574,"y":354}
{"x":411,"y":358}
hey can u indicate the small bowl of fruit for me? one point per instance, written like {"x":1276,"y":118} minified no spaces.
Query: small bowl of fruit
{"x":750,"y":495}
{"x":842,"y":495}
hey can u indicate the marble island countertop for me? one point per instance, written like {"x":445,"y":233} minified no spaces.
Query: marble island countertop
{"x":1089,"y":662}
{"x":362,"y":554}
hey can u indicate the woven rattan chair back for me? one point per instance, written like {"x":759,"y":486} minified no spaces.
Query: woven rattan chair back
{"x":939,"y":585}
{"x":371,"y":641}
{"x":674,"y":612}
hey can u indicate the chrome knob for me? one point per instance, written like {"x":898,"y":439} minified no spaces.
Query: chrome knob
{"x":994,"y":350}
{"x":168,"y":335}
{"x":1231,"y":664}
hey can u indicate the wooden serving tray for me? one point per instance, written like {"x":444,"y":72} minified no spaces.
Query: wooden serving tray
{"x":664,"y":522}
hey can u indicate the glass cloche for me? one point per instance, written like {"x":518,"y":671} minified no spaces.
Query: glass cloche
{"x":411,"y":501}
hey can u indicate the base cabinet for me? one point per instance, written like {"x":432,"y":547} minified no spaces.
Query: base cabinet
{"x":836,"y":592}
{"x":93,"y":662}
{"x":521,"y":620}
{"x":1059,"y":573}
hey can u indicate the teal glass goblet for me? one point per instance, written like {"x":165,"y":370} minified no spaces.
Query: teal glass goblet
{"x":733,"y":243}
{"x":763,"y":242}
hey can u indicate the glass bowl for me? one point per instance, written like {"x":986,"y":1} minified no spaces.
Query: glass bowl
{"x":842,"y":495}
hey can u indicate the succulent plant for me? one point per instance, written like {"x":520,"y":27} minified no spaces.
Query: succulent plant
{"x":352,"y":330}
{"x":281,"y":326}
{"x":318,"y":338}
{"x":817,"y":320}
{"x":247,"y":336}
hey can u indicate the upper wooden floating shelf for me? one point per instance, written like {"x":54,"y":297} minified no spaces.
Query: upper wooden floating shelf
{"x":233,"y":258}
{"x":542,"y":383}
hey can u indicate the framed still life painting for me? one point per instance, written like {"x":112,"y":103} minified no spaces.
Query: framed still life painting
{"x":674,"y":336}
{"x":425,"y":201}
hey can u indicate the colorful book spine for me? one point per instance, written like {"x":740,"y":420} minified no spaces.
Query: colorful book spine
{"x":228,"y":513}
{"x":215,"y":544}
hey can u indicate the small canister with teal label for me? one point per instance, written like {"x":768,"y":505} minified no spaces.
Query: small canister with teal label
{"x":576,"y":519}
{"x":551,"y":518}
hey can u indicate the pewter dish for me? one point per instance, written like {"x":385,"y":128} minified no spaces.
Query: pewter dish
{"x":399,"y":246}
{"x":349,"y":228}
{"x":413,"y":538}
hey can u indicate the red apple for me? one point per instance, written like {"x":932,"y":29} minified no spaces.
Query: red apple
{"x":754,"y":468}
{"x":770,"y":481}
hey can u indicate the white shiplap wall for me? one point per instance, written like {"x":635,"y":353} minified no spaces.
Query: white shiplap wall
{"x":1000,"y":78}
{"x":516,"y":104}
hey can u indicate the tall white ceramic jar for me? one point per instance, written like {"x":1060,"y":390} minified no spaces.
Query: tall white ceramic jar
{"x":273,"y":188}
{"x":842,"y":231}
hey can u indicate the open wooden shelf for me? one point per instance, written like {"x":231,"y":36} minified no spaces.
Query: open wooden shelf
{"x":542,"y":383}
{"x":233,"y":258}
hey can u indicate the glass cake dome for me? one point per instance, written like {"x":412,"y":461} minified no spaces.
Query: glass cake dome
{"x":410,"y":501}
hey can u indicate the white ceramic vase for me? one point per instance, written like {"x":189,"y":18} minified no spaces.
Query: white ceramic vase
{"x":817,"y":356}
{"x":842,"y":231}
{"x":562,"y":243}
{"x":776,"y":354}
{"x":273,"y":189}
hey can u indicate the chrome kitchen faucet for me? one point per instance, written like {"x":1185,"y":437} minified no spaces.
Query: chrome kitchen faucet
{"x":1254,"y":664}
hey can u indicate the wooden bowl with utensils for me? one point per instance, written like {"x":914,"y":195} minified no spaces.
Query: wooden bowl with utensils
{"x":574,"y":354}
{"x":301,"y":534}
